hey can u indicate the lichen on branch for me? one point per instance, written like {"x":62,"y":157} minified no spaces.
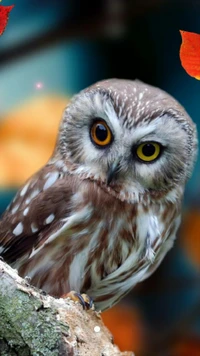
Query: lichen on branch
{"x":32,"y":323}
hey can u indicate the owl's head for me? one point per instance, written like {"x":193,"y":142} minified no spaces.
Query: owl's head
{"x":128,"y":136}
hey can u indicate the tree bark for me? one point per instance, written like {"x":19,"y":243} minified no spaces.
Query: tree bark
{"x":32,"y":323}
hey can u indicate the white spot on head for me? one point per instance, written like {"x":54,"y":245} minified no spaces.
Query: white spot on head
{"x":52,"y":178}
{"x":18,"y":229}
{"x":34,"y":228}
{"x":141,"y":95}
{"x":50,"y":219}
{"x":24,"y":190}
{"x":25,"y":212}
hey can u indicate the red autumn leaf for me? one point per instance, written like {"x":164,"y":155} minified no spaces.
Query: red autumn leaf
{"x":190,"y":53}
{"x":4,"y":15}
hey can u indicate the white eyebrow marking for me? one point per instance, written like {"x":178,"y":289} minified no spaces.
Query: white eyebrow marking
{"x":52,"y":178}
{"x":18,"y":229}
{"x":34,"y":228}
{"x":50,"y":219}
{"x":24,"y":190}
{"x":25,"y":212}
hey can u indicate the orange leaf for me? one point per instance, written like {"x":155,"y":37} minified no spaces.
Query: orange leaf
{"x":126,"y":326}
{"x":26,"y":141}
{"x":187,"y":346}
{"x":4,"y":15}
{"x":190,"y":235}
{"x":190,"y":53}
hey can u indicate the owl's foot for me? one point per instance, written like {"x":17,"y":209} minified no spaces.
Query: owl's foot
{"x":83,"y":299}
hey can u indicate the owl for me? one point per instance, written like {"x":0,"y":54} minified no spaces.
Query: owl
{"x":103,"y":212}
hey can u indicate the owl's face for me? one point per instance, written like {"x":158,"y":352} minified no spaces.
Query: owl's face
{"x":130,"y":135}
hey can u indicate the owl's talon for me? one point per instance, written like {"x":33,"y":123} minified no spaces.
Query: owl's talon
{"x":88,"y":301}
{"x":83,"y":299}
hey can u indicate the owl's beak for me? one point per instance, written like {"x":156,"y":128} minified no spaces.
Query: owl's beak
{"x":112,"y":171}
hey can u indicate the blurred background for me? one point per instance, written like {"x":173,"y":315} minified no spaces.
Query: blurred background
{"x":51,"y":50}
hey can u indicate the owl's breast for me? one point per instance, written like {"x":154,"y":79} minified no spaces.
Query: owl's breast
{"x":104,"y":247}
{"x":137,"y":241}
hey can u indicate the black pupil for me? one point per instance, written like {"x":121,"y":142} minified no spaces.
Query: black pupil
{"x":101,"y":132}
{"x":148,"y":150}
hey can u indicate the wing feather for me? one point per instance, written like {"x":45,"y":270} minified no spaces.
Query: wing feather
{"x":36,"y":212}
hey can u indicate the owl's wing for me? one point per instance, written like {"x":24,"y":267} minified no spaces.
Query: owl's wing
{"x":38,"y":210}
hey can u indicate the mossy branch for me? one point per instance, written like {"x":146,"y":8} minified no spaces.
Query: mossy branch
{"x":32,"y":323}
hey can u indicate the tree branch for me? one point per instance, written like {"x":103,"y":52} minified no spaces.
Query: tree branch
{"x":32,"y":323}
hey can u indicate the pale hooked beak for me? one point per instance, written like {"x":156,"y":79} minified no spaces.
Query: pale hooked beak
{"x":113,"y":171}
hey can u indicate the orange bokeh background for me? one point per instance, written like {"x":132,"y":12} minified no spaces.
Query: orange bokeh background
{"x":27,"y":138}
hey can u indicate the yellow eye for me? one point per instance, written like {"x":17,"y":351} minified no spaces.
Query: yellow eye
{"x":148,"y":151}
{"x":100,"y":133}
